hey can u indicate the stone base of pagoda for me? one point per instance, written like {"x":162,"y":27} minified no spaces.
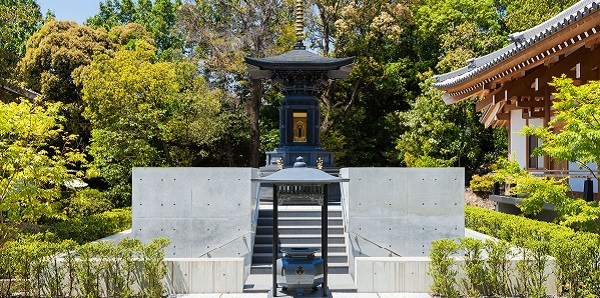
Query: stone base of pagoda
{"x":289,"y":155}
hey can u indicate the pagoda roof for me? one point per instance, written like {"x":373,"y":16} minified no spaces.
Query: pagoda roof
{"x":521,"y":41}
{"x":299,"y":59}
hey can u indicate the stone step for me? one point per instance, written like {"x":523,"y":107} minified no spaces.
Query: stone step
{"x":298,"y":230}
{"x":338,"y":283}
{"x":300,"y":240}
{"x":303,"y":221}
{"x":290,"y":213}
{"x":266,"y":248}
{"x":265,"y":268}
{"x":334,"y":257}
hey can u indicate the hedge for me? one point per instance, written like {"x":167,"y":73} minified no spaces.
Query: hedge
{"x":93,"y":227}
{"x":577,"y":254}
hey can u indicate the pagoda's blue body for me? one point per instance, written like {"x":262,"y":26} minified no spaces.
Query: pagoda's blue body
{"x":299,"y":72}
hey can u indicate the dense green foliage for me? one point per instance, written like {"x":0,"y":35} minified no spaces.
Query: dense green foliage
{"x":158,"y":17}
{"x":534,"y":192}
{"x":577,"y":254}
{"x":19,"y":19}
{"x":93,"y":227}
{"x":144,"y":113}
{"x":32,"y":172}
{"x":440,"y":135}
{"x":52,"y":55}
{"x":43,"y":266}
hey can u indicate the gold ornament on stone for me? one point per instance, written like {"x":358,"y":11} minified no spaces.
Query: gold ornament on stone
{"x":280,"y":163}
{"x":319,"y":163}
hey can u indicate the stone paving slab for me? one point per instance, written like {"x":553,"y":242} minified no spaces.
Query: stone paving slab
{"x":333,"y":295}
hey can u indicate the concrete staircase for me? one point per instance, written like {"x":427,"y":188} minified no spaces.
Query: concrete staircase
{"x":299,"y":226}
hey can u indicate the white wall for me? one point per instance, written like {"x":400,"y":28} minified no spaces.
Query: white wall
{"x":518,"y":143}
{"x":577,"y":183}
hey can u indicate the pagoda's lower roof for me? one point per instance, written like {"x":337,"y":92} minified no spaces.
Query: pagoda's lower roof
{"x":299,"y":59}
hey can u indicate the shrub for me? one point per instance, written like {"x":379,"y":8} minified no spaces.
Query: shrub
{"x":442,"y":268}
{"x":42,"y":266}
{"x":497,"y":266}
{"x":577,"y":254}
{"x":87,"y":202}
{"x":476,"y":281}
{"x":153,"y":268}
{"x":483,"y":183}
{"x":93,"y":227}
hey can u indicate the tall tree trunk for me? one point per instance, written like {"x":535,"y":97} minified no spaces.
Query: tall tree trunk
{"x":254,"y":123}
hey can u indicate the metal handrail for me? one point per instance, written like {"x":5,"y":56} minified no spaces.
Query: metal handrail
{"x":344,"y":209}
{"x":257,"y":207}
{"x":243,"y":236}
{"x":379,"y":246}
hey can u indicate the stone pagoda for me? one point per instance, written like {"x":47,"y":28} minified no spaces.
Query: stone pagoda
{"x":299,"y":72}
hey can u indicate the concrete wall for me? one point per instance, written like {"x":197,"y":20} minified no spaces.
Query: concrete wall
{"x":206,"y":212}
{"x":409,"y":274}
{"x":214,"y":275}
{"x":400,"y":211}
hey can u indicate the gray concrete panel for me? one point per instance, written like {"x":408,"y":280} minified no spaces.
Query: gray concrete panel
{"x":200,"y":209}
{"x":402,"y":209}
{"x":177,"y":230}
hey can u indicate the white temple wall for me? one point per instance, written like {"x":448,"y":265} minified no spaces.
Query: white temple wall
{"x":518,"y":143}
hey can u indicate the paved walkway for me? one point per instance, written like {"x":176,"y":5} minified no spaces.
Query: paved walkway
{"x":334,"y":295}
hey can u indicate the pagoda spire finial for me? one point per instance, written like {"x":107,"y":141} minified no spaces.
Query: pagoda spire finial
{"x":299,"y":24}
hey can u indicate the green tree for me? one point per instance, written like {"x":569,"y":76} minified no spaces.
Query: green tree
{"x":19,"y":19}
{"x":144,"y":113}
{"x":55,"y":52}
{"x":578,"y":109}
{"x":524,"y":14}
{"x":356,"y":112}
{"x":455,"y":31}
{"x":437,"y":134}
{"x":158,"y":17}
{"x":32,"y":173}
{"x":221,"y":33}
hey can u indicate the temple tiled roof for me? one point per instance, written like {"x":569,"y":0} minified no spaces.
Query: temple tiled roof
{"x":18,"y":90}
{"x":520,"y":41}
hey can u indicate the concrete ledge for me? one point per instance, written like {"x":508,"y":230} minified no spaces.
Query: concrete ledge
{"x":409,"y":274}
{"x":205,"y":275}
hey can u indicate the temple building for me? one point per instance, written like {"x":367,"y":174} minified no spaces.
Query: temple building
{"x":512,"y":84}
{"x":10,"y":92}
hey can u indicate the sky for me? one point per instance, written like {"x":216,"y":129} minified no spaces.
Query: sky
{"x":70,"y":10}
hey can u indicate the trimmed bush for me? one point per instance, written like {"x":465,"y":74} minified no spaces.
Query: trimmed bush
{"x":42,"y":266}
{"x":577,"y":254}
{"x":93,"y":227}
